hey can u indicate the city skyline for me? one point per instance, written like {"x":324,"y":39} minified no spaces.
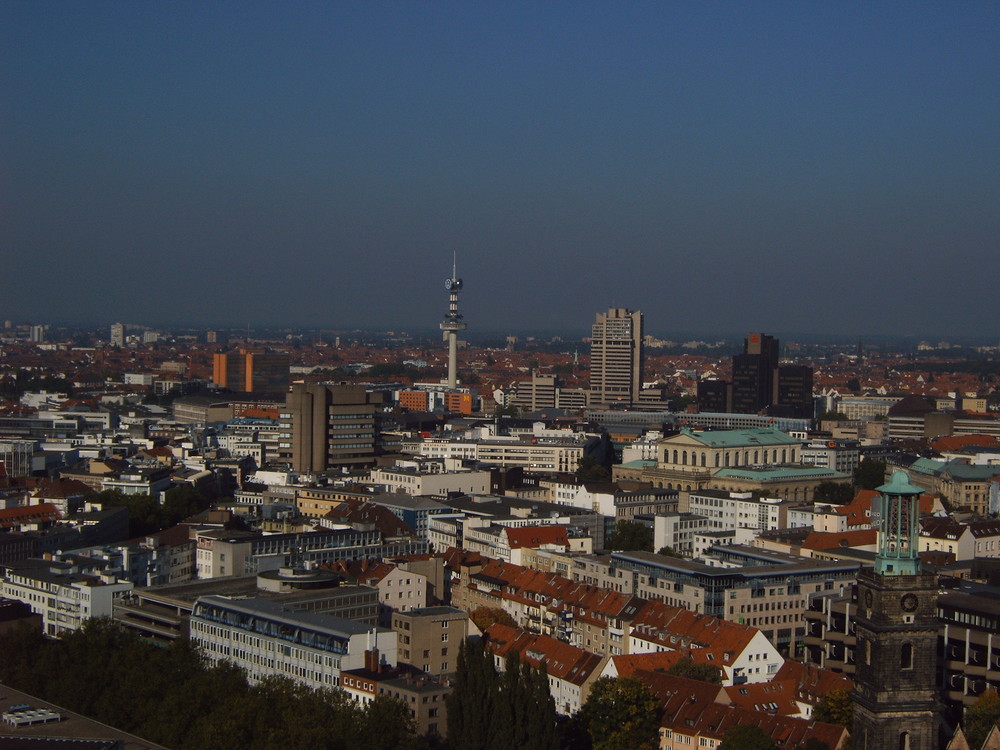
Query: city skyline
{"x":779,"y":167}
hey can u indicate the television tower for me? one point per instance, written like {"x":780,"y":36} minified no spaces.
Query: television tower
{"x":452,"y":324}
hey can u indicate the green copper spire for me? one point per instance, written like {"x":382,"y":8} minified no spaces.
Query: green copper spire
{"x":896,"y":512}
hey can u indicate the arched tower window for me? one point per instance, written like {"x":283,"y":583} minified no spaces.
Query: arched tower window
{"x":684,"y":457}
{"x":904,"y":741}
{"x":906,"y":656}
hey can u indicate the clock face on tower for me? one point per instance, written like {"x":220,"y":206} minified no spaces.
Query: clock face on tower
{"x":908,"y":602}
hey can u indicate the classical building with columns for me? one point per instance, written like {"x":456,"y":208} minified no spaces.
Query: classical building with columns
{"x":689,"y":459}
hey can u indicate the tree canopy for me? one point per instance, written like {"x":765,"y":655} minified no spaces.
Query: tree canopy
{"x":869,"y":474}
{"x":622,"y":714}
{"x":836,"y":707}
{"x":833,"y":493}
{"x":483,"y":617}
{"x":980,"y":718}
{"x":147,"y":515}
{"x":589,"y":470}
{"x":491,"y":710}
{"x":686,"y":667}
{"x":630,"y":536}
{"x":174,"y":697}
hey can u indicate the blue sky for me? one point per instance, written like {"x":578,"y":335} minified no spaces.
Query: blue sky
{"x":809,"y":167}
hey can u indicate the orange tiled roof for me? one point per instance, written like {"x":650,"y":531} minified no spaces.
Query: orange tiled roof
{"x":535,"y":536}
{"x":677,"y":628}
{"x":561,"y":660}
{"x":957,"y":442}
{"x":771,"y":697}
{"x":812,"y":682}
{"x":822,"y":540}
{"x":28,"y":514}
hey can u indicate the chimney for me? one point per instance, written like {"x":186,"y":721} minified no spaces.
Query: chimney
{"x":372,"y":660}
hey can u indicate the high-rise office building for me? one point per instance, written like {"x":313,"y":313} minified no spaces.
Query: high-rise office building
{"x":759,"y":384}
{"x":251,"y":371}
{"x":117,"y":334}
{"x":754,"y":374}
{"x":794,"y":392}
{"x":616,"y":357}
{"x":326,"y":427}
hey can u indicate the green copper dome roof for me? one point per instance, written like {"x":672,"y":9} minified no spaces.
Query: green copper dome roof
{"x":899,"y":484}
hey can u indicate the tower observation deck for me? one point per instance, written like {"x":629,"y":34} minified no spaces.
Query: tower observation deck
{"x":452,"y":324}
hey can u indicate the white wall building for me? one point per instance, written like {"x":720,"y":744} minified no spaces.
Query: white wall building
{"x":60,"y":593}
{"x":434,"y":483}
{"x":267,"y":638}
{"x":737,"y":510}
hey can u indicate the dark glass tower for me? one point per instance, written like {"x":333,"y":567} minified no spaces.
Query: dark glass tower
{"x":754,"y":374}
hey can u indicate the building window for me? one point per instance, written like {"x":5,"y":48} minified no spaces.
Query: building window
{"x":906,"y":656}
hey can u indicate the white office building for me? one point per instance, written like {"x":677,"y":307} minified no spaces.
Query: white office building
{"x":64,"y":596}
{"x":267,"y":638}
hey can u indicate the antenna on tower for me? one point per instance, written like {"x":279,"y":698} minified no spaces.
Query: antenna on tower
{"x":452,"y":323}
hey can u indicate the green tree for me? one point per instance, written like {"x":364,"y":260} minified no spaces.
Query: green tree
{"x":588,"y":470}
{"x":681,"y":401}
{"x":686,"y":667}
{"x":491,"y":711}
{"x":836,"y":707}
{"x":869,"y":474}
{"x":388,"y":725}
{"x":175,"y":697}
{"x":471,"y":703}
{"x":622,"y":714}
{"x":853,"y":385}
{"x":631,"y":536}
{"x":483,"y":617}
{"x":746,"y":737}
{"x":669,"y":552}
{"x":980,"y":718}
{"x":541,"y":718}
{"x":833,"y":493}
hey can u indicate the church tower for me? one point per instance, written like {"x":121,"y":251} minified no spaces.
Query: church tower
{"x":895,"y":697}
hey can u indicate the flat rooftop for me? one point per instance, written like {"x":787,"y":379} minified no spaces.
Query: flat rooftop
{"x":72,"y":727}
{"x":185,"y":594}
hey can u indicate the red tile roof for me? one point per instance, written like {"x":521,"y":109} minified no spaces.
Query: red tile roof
{"x":819,"y":540}
{"x":676,"y":628}
{"x":11,"y":517}
{"x":561,"y":660}
{"x":536,"y":536}
{"x":957,"y":442}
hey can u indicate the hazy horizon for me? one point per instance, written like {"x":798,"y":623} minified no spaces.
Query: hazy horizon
{"x":774,"y":166}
